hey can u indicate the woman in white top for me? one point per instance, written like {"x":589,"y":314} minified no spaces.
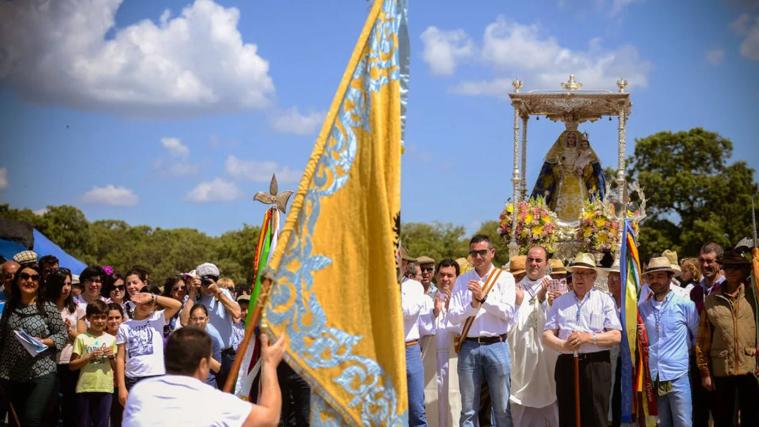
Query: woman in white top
{"x":58,"y":291}
{"x":140,"y":340}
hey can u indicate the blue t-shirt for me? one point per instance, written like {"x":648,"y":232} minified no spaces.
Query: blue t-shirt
{"x":219,"y":317}
{"x":215,"y":352}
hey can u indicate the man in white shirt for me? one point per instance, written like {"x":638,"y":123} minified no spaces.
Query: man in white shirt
{"x":484,"y":354}
{"x":181,"y":398}
{"x":533,"y":388}
{"x":441,"y":392}
{"x":583,"y":321}
{"x":415,"y":306}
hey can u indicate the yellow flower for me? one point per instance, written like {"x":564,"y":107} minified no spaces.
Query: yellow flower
{"x":600,"y":222}
{"x":537,"y":231}
{"x":528,"y":218}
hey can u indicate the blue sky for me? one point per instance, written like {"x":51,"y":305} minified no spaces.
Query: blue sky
{"x":173,"y":113}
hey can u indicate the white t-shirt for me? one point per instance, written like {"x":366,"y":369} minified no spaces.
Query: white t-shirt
{"x":143,"y":345}
{"x":180,"y":400}
{"x":64,"y":356}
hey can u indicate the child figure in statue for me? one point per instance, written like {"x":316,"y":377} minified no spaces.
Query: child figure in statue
{"x":571,"y":174}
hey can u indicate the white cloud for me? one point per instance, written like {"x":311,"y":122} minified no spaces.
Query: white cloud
{"x":443,"y":49}
{"x":111,"y":195}
{"x":3,"y":178}
{"x":57,"y":52}
{"x":292,"y":121}
{"x":747,"y":26}
{"x":715,"y":56}
{"x":216,"y":190}
{"x":260,"y":171}
{"x":483,"y":87}
{"x":175,"y":147}
{"x":542,"y":63}
{"x":179,"y":162}
{"x":40,"y":212}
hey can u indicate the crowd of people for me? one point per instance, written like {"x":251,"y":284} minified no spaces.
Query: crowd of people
{"x":498,"y":346}
{"x":484,"y":345}
{"x":77,"y":350}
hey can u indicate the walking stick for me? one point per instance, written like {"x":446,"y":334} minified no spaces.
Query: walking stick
{"x":577,"y":388}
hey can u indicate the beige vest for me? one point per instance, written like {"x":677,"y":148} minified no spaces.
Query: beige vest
{"x":733,"y":340}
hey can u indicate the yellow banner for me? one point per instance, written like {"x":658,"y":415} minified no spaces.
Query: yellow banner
{"x":336,"y":294}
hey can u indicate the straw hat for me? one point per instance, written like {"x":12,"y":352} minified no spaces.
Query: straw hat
{"x":614,"y":267}
{"x":518,"y":264}
{"x":464,"y":265}
{"x":557,"y":267}
{"x":582,"y":260}
{"x":424,"y":259}
{"x":660,"y":263}
{"x":672,"y":257}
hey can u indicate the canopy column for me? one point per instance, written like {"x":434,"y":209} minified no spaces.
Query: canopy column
{"x":513,"y":246}
{"x":525,"y":119}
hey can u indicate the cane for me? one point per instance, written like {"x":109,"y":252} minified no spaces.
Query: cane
{"x":577,"y":388}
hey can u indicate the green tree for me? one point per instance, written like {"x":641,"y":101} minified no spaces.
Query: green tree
{"x":435,"y":240}
{"x":693,"y":194}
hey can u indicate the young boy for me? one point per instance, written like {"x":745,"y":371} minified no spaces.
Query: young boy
{"x":94,"y":353}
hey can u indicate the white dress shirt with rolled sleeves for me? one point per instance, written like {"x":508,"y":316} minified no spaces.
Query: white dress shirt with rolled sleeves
{"x":495,"y":316}
{"x":595,"y":313}
{"x":414,"y":304}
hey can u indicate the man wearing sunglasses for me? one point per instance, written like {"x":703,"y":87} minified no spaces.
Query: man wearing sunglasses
{"x":427,"y":264}
{"x":484,"y":353}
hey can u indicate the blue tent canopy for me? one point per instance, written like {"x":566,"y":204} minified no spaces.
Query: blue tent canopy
{"x":44,"y":246}
{"x":18,"y":236}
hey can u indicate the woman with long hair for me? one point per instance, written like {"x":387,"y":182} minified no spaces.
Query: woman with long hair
{"x":31,"y":378}
{"x":114,"y":289}
{"x":136,"y":280}
{"x":176,"y":288}
{"x":115,"y":319}
{"x":58,"y":291}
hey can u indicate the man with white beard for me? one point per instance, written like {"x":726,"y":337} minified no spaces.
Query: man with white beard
{"x":533,"y":388}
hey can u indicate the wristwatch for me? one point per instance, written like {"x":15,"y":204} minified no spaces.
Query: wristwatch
{"x":482,"y":301}
{"x":595,"y":339}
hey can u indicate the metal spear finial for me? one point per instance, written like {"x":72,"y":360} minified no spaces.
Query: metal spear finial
{"x":272,"y":198}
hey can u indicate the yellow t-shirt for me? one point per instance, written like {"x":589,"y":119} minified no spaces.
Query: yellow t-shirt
{"x":97,"y":375}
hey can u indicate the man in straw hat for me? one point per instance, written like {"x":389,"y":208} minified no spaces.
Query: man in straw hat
{"x":533,"y":388}
{"x":726,"y":348}
{"x":487,"y":295}
{"x":583,"y":321}
{"x":517,"y":267}
{"x":671,"y":320}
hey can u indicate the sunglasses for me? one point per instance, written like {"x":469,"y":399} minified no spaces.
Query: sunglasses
{"x":27,"y":276}
{"x":428,"y":269}
{"x":178,"y":288}
{"x":481,"y":252}
{"x":118,"y":288}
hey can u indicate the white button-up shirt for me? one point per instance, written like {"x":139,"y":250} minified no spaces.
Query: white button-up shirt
{"x":414,"y":304}
{"x":595,"y":313}
{"x":495,"y":316}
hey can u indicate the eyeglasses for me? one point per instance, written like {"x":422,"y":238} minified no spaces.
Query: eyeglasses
{"x":428,"y":269}
{"x":27,"y":276}
{"x":178,"y":288}
{"x":118,"y":288}
{"x":481,"y":252}
{"x":535,"y":260}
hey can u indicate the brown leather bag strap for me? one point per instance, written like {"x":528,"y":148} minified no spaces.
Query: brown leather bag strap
{"x":489,"y":283}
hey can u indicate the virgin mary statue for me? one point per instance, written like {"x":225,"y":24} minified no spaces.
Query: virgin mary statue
{"x":571,"y":174}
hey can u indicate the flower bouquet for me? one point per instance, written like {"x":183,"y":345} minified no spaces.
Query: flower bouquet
{"x":536,"y":224}
{"x":599,"y":227}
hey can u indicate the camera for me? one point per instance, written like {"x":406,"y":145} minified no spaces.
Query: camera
{"x":206,"y":281}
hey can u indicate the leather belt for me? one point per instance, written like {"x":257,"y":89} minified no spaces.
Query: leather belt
{"x":487,"y":340}
{"x":412,"y":343}
{"x":594,"y":356}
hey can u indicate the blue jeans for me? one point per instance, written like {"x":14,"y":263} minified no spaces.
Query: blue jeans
{"x":415,"y":381}
{"x":675,"y":408}
{"x":484,"y":362}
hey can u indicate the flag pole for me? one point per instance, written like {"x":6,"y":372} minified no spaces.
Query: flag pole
{"x":576,"y":360}
{"x":250,"y":330}
{"x":278,"y":201}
